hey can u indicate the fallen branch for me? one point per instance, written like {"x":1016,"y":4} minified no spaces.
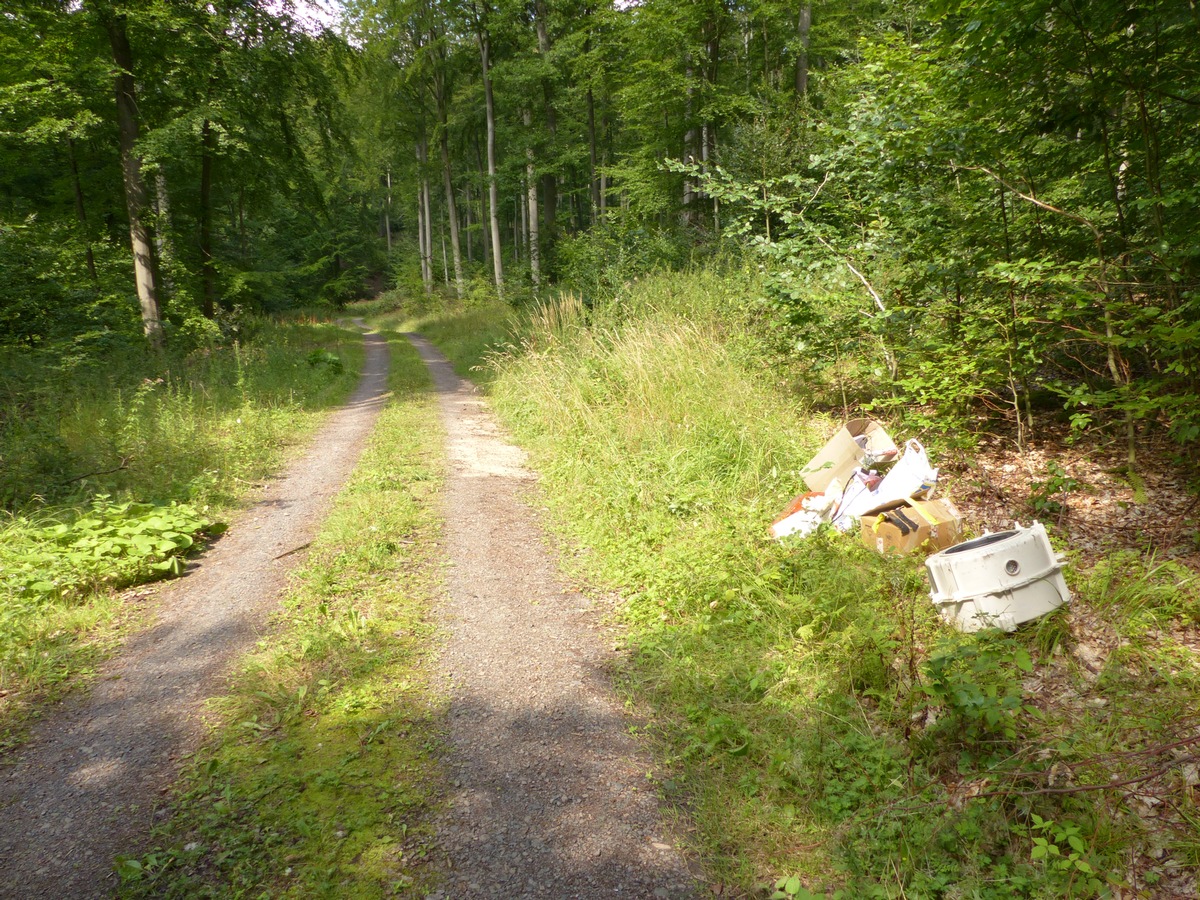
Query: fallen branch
{"x":293,"y":550}
{"x":124,"y":465}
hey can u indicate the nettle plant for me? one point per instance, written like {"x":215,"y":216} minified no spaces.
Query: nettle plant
{"x":110,"y":543}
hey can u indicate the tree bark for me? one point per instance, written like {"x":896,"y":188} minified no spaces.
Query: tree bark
{"x":424,"y":220}
{"x":470,"y":225}
{"x":803,"y":29}
{"x":208,"y":272}
{"x":549,"y":180}
{"x":593,"y":183}
{"x":448,"y":182}
{"x":535,"y":258}
{"x":493,"y":199}
{"x":137,"y":198}
{"x":387,"y":212}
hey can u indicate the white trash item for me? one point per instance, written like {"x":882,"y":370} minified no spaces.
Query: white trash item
{"x":911,"y":476}
{"x":998,"y":580}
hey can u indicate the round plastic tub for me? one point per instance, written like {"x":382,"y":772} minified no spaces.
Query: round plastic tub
{"x":998,"y":580}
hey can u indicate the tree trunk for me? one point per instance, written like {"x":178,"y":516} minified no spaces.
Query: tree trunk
{"x":428,"y":206}
{"x":535,"y":259}
{"x":803,"y":28}
{"x":689,"y":149}
{"x":445,"y":264}
{"x":493,"y":199}
{"x":518,"y":226}
{"x":80,"y":210}
{"x":448,"y":184}
{"x":470,"y":226}
{"x":593,"y":183}
{"x":387,"y":213}
{"x":163,"y":246}
{"x":137,"y":198}
{"x":549,"y":180}
{"x":424,"y":243}
{"x":208,"y":272}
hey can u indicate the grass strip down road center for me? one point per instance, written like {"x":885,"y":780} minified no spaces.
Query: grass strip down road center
{"x":322,"y":770}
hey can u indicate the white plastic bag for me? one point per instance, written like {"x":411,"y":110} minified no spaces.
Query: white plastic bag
{"x":911,"y":476}
{"x":857,"y":499}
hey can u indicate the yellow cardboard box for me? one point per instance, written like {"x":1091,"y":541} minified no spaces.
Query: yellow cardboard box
{"x":907,"y":525}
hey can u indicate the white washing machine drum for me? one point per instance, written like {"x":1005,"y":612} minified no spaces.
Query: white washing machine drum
{"x":999,"y":580}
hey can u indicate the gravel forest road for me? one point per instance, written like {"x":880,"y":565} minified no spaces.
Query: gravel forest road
{"x":91,"y":780}
{"x":549,"y":796}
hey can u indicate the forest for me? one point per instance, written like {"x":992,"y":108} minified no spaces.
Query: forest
{"x":662,"y":233}
{"x":990,"y":202}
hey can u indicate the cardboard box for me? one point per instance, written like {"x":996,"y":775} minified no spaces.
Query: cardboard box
{"x":858,"y":440}
{"x":908,"y":525}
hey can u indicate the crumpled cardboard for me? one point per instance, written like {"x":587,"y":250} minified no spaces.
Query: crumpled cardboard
{"x":860,"y":443}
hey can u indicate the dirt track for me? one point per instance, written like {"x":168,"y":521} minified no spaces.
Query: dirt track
{"x":550,"y":797}
{"x":86,"y":787}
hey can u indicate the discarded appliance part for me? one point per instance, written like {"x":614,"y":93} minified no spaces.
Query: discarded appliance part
{"x":998,"y":580}
{"x":858,"y":440}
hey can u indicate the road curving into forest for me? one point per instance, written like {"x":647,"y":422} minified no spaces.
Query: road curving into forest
{"x":93,"y":778}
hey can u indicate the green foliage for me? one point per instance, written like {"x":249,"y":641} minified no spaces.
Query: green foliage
{"x":237,"y":116}
{"x":600,"y":264}
{"x":791,"y":886}
{"x":109,"y":543}
{"x":1064,"y":853}
{"x":183,"y":425}
{"x":323,"y":358}
{"x":1047,"y":497}
{"x":976,"y":684}
{"x":804,"y":693}
{"x":54,"y":577}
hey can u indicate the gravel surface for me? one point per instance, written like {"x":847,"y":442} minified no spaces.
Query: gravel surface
{"x":549,"y":796}
{"x":90,"y":782}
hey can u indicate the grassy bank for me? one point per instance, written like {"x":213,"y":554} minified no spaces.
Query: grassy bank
{"x":821,"y":723}
{"x":114,"y":466}
{"x":320,"y":773}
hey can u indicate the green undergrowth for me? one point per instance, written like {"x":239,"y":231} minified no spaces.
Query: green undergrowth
{"x":826,"y":731}
{"x":321,"y":771}
{"x":115,"y":468}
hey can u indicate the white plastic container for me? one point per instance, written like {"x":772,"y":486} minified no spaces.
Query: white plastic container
{"x":998,"y":580}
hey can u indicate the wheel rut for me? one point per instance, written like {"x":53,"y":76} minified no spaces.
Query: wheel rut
{"x":91,"y":781}
{"x":549,"y":794}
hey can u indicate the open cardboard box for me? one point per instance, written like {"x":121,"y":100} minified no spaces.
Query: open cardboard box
{"x":907,"y":525}
{"x":858,"y":440}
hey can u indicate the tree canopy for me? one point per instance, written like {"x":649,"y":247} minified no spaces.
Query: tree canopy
{"x":990,"y":200}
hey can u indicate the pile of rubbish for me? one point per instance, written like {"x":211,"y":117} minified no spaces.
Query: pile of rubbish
{"x":861,"y":479}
